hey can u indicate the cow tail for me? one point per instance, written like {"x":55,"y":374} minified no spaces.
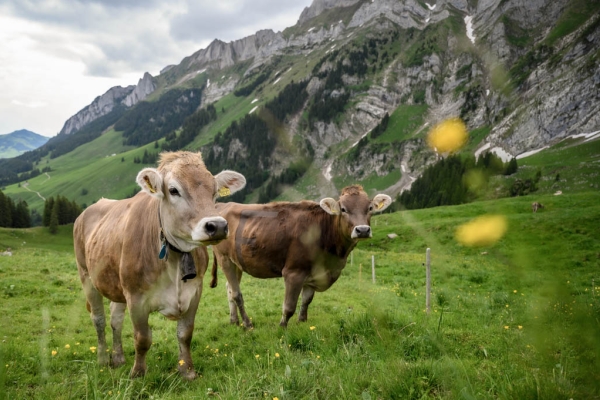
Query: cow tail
{"x":213,"y":282}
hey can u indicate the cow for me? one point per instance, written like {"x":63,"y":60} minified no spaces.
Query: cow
{"x":143,"y":253}
{"x":536,"y":206}
{"x":306,"y":243}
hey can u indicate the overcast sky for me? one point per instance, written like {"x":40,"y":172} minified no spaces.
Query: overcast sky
{"x":56,"y":56}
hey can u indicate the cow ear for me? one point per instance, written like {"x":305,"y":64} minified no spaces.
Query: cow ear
{"x":330,"y":205}
{"x":151,"y":182}
{"x":229,"y":182}
{"x":381,"y":202}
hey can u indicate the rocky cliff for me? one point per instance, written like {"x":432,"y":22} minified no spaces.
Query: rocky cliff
{"x":101,"y":106}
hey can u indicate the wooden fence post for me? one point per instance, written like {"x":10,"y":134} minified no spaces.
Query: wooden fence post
{"x":373,"y":267}
{"x":428,"y":280}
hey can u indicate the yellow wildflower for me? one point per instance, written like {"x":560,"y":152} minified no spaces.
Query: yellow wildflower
{"x":312,"y":328}
{"x":93,"y":349}
{"x":257,"y":356}
{"x":448,"y":136}
{"x":67,"y":346}
{"x":181,"y":362}
{"x":54,"y":352}
{"x":276,"y":355}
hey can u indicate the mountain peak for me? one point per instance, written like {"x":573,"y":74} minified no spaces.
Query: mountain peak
{"x":318,"y":6}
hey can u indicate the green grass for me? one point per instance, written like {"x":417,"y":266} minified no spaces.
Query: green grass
{"x":518,"y":319}
{"x":570,"y":166}
{"x":575,"y":15}
{"x":371,"y":183}
{"x":403,"y":123}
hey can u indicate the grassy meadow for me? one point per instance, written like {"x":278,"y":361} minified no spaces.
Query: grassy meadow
{"x":519,"y":319}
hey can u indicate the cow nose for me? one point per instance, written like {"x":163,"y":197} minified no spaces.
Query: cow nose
{"x":361,"y":231}
{"x":217,"y":229}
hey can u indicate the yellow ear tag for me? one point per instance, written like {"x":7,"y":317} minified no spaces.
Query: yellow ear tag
{"x":150,"y":188}
{"x":380,"y":205}
{"x":224,"y":191}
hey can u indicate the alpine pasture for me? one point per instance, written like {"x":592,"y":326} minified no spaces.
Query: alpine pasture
{"x":516,"y":319}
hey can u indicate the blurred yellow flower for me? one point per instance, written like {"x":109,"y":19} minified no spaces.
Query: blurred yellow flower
{"x":276,"y":355}
{"x":520,"y":326}
{"x":312,"y":328}
{"x":67,"y":346}
{"x":506,"y":327}
{"x":257,"y":356}
{"x":448,"y":136}
{"x":482,"y":231}
{"x":54,"y":352}
{"x":181,"y":362}
{"x":93,"y":349}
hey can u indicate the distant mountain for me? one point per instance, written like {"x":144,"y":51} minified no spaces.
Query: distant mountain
{"x":18,"y":142}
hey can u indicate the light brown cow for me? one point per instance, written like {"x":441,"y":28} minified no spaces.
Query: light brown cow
{"x":306,"y":242}
{"x":138,"y":253}
{"x":536,"y":206}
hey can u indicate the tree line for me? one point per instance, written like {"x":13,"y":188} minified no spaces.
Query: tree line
{"x":191,"y":128}
{"x":444,"y":183}
{"x":13,"y":214}
{"x":150,"y":121}
{"x":59,"y":211}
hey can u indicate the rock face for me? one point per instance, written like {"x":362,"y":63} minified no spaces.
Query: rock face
{"x":144,"y":87}
{"x":101,"y":106}
{"x":219,"y":55}
{"x":318,"y":6}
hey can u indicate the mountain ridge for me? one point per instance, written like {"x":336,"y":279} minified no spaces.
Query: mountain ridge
{"x":20,"y":141}
{"x":519,"y":83}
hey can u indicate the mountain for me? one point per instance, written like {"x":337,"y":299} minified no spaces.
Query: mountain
{"x":347,"y":95}
{"x":18,"y":142}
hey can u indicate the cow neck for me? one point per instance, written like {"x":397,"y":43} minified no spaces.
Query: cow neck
{"x":186,"y":260}
{"x":347,"y":245}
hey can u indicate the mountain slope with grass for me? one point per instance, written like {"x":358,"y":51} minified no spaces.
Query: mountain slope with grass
{"x":18,"y":142}
{"x":347,"y":95}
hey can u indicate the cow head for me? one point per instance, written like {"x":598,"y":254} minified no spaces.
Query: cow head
{"x":187,"y":192}
{"x":355,"y":209}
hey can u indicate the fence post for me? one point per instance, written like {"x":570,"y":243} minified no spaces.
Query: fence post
{"x":373,"y":267}
{"x":428,"y":280}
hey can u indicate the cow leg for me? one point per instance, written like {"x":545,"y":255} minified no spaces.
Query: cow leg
{"x":96,"y":308}
{"x":234,"y":293}
{"x":142,"y":335}
{"x":307,"y":296}
{"x":185,"y":330}
{"x":293,"y":287}
{"x":117,"y":314}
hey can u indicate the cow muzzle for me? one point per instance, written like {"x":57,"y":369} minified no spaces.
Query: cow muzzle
{"x":212,"y":229}
{"x":361,"y":232}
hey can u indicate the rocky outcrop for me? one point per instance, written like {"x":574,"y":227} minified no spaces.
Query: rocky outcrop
{"x":318,"y":6}
{"x":217,"y":90}
{"x":144,"y":87}
{"x":220,"y":55}
{"x":101,"y":106}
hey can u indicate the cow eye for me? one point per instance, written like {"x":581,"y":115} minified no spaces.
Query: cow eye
{"x":174,"y":192}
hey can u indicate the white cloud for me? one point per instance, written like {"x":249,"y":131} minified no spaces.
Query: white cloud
{"x":58,"y":55}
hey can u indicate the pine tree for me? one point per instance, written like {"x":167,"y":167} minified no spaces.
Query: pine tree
{"x":53,"y":226}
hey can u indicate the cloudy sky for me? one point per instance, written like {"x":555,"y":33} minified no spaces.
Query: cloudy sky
{"x":56,"y":56}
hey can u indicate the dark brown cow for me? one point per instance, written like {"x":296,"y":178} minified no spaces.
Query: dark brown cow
{"x":138,"y":253}
{"x":536,"y":206}
{"x":306,"y":242}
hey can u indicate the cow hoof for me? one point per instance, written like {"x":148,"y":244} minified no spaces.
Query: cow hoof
{"x":137,"y":373}
{"x":117,"y":360}
{"x":188,"y":375}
